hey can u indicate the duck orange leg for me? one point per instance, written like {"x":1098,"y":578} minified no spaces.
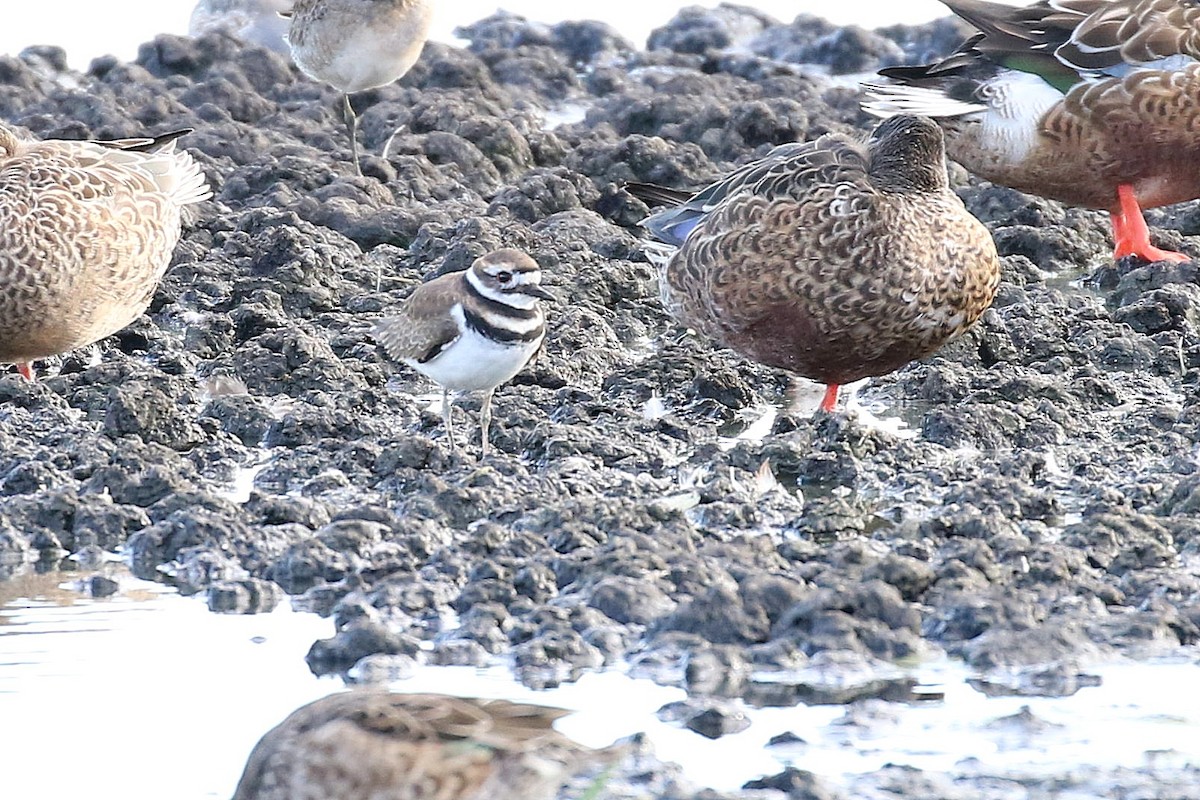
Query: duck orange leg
{"x":829,"y":401}
{"x":26,"y":370}
{"x":1130,"y":231}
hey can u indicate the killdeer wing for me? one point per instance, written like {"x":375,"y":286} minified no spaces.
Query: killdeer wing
{"x":424,"y":326}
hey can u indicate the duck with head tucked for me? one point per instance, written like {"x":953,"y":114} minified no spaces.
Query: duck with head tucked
{"x":1095,"y":103}
{"x":370,"y":744}
{"x":87,"y":230}
{"x":831,"y":259}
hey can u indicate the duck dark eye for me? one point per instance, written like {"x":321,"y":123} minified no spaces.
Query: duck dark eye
{"x":504,"y":277}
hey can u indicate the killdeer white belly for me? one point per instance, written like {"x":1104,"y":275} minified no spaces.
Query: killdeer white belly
{"x":354,"y":45}
{"x":471,"y":331}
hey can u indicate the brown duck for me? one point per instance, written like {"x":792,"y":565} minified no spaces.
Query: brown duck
{"x":1092,"y":102}
{"x":370,"y":744}
{"x":86,"y":231}
{"x":832,"y":259}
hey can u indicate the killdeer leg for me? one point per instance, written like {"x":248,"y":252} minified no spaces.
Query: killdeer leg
{"x":351,"y":120}
{"x":485,"y":420}
{"x":446,"y":418}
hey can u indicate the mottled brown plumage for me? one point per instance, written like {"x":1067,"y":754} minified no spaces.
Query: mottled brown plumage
{"x":86,"y":231}
{"x":832,"y":260}
{"x":371,"y":744}
{"x":1095,"y":103}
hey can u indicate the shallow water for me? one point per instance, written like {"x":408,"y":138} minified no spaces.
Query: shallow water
{"x":148,"y":692}
{"x":127,"y":696}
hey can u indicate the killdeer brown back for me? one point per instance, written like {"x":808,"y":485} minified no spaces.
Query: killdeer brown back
{"x":371,"y":744}
{"x":354,"y":45}
{"x":471,"y":331}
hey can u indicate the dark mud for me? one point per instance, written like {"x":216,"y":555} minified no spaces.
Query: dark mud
{"x":1045,"y":513}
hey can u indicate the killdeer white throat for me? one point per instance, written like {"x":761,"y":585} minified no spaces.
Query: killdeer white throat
{"x":471,"y":331}
{"x":354,"y":45}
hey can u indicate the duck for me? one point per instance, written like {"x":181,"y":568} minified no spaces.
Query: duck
{"x":1094,"y":103}
{"x":87,"y":230}
{"x":834,"y":259}
{"x":374,"y":743}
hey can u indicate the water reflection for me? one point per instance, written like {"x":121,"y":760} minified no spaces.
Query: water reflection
{"x":146,"y":694}
{"x":141,"y":695}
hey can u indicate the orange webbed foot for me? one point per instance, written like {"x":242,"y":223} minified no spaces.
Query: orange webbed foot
{"x":829,"y":401}
{"x":1131,"y":234}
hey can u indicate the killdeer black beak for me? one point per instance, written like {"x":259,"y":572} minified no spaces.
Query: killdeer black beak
{"x":536,"y":290}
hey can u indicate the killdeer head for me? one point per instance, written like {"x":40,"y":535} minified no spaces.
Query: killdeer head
{"x":473,"y":330}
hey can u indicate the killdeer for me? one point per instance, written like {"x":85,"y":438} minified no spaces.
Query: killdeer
{"x":832,"y":259}
{"x":369,"y":744}
{"x":471,"y":331}
{"x":354,"y":45}
{"x":87,"y":229}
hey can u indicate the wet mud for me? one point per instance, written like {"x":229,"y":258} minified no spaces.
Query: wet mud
{"x":247,"y":438}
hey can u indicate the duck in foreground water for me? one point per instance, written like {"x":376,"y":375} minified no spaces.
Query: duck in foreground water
{"x":86,"y":232}
{"x":471,"y":331}
{"x":831,"y":259}
{"x":355,"y":45}
{"x":369,"y":744}
{"x":1095,"y":103}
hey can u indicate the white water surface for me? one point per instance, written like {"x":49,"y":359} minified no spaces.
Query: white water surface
{"x":149,"y":695}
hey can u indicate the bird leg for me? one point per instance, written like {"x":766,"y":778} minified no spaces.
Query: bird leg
{"x":446,"y":418}
{"x":26,"y":370}
{"x":485,"y":421}
{"x":1130,"y":233}
{"x":829,"y":401}
{"x":351,"y":120}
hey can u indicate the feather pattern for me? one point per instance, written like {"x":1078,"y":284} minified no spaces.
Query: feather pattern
{"x":370,"y":743}
{"x":87,"y":230}
{"x":1073,"y":99}
{"x":832,"y":259}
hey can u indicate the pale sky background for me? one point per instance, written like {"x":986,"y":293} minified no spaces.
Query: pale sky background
{"x":89,"y":28}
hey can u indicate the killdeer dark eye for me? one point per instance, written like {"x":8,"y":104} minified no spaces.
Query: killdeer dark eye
{"x":504,"y":277}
